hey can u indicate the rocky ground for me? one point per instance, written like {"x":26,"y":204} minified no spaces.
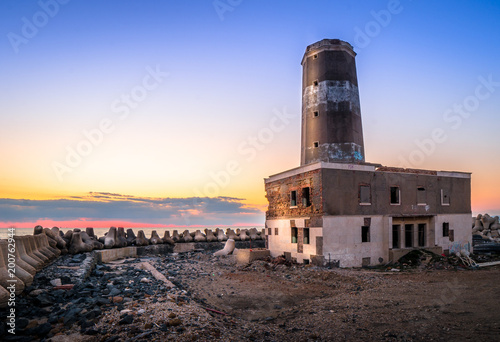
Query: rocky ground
{"x":213,"y":299}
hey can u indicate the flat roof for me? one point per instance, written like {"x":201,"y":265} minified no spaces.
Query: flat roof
{"x":368,"y":167}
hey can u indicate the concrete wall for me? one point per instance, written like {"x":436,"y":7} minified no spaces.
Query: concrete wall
{"x":278,"y":195}
{"x":461,"y":236}
{"x":341,"y":193}
{"x":342,"y":240}
{"x":282,"y":241}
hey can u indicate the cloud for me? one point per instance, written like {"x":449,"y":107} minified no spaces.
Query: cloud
{"x":103,"y":206}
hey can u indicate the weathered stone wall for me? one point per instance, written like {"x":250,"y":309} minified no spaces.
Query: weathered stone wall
{"x":278,"y":195}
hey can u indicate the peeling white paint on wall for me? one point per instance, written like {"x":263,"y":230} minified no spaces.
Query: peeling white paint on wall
{"x":332,"y":92}
{"x":337,"y":152}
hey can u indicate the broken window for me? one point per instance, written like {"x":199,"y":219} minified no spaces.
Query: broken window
{"x":316,"y":144}
{"x":365,"y":234}
{"x":408,"y":235}
{"x":295,"y":234}
{"x":315,"y":56}
{"x":315,"y":83}
{"x":395,"y":195}
{"x":364,"y":194}
{"x":316,"y":114}
{"x":293,"y":198}
{"x":446,"y":229}
{"x":421,"y":234}
{"x":421,"y":198}
{"x":396,"y":228}
{"x":445,"y":197}
{"x":306,"y":236}
{"x":306,"y":197}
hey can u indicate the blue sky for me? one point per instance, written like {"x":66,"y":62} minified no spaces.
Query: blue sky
{"x":226,"y":68}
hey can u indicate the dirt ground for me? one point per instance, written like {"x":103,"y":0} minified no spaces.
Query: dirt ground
{"x":271,"y":302}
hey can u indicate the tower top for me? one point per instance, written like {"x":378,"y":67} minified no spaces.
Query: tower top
{"x":328,"y":45}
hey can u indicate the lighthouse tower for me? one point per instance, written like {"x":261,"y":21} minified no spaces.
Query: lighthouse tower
{"x":331,"y":117}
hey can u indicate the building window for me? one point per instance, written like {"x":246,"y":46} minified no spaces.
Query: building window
{"x":364,"y":195}
{"x":293,"y":198}
{"x":421,"y":234}
{"x":395,"y":195}
{"x":315,"y":56}
{"x":316,"y":144}
{"x":445,"y":197}
{"x":408,"y":235}
{"x":315,"y":83}
{"x":421,"y":197}
{"x":269,"y":231}
{"x":295,"y":234}
{"x":316,"y":113}
{"x":306,"y":202}
{"x":446,"y":229}
{"x":276,"y":231}
{"x":365,"y":234}
{"x":396,"y":228}
{"x":306,"y":236}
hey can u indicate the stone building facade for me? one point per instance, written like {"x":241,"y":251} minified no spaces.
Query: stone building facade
{"x":337,"y":207}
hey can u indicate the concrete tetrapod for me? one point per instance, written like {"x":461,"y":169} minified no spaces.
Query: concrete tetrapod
{"x":121,"y":238}
{"x":186,"y":237}
{"x":37,"y":230}
{"x":23,"y":254}
{"x":232,"y":235}
{"x":51,"y":238}
{"x":30,"y":252}
{"x":110,"y":238}
{"x":61,"y":244}
{"x":496,"y":224}
{"x":228,"y":248}
{"x":42,"y":243}
{"x":487,"y":220}
{"x":167,"y":239}
{"x":19,"y":258}
{"x":38,"y":245}
{"x":8,"y":278}
{"x":130,"y":237}
{"x":11,"y":260}
{"x":253,"y":234}
{"x":35,"y":251}
{"x":90,"y":241}
{"x":77,"y":245}
{"x":4,"y":297}
{"x":155,"y":238}
{"x":210,"y":235}
{"x":141,"y":239}
{"x":220,"y":235}
{"x":175,"y":236}
{"x":199,"y":237}
{"x":90,"y":233}
{"x":243,"y":235}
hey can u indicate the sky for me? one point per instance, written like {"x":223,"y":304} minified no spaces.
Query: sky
{"x":154,"y":113}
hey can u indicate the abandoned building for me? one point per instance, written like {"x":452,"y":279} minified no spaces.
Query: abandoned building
{"x":336,"y":206}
